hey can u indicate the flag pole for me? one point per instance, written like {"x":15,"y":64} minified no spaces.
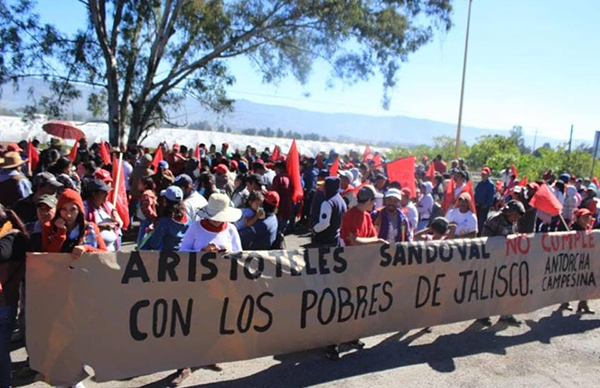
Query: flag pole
{"x":462,"y":88}
{"x":564,"y":222}
{"x":116,"y":188}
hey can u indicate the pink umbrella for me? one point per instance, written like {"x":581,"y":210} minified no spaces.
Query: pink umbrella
{"x":63,"y":129}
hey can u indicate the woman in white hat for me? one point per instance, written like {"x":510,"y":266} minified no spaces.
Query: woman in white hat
{"x":215,"y":231}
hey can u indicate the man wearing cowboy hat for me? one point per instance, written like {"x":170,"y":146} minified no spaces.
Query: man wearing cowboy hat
{"x":13,"y":183}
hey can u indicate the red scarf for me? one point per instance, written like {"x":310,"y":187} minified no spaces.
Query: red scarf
{"x":211,"y":228}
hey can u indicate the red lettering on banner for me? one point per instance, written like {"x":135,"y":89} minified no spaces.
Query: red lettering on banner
{"x":517,"y":245}
{"x":570,"y":241}
{"x":545,"y":247}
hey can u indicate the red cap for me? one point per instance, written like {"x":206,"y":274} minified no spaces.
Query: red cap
{"x":221,"y":169}
{"x":270,"y":165}
{"x":13,"y":147}
{"x":406,"y":191}
{"x":272,"y":198}
{"x":486,"y":170}
{"x":67,"y":196}
{"x":176,"y":147}
{"x":582,"y":212}
{"x":103,"y":175}
{"x":234,"y":164}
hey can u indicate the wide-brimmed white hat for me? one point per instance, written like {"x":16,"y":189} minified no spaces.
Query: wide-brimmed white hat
{"x":218,"y":209}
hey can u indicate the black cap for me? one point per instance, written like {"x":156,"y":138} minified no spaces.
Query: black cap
{"x":45,"y":179}
{"x":513,"y":206}
{"x":365,"y":194}
{"x":98,"y":185}
{"x":183,"y":180}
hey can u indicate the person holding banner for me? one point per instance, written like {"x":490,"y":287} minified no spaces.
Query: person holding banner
{"x":583,"y":223}
{"x":215,"y":231}
{"x":69,"y":231}
{"x":357,"y":225}
{"x":503,"y":224}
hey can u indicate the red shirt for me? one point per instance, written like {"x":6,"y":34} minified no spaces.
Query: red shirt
{"x":282,"y":184}
{"x":358,"y":223}
{"x":440,"y":166}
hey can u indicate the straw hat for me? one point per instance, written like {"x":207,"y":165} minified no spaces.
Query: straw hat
{"x":11,"y":160}
{"x":218,"y":209}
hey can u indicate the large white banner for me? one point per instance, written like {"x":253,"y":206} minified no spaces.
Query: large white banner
{"x":130,"y":314}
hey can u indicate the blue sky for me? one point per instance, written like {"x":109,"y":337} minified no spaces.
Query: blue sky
{"x":533,"y":63}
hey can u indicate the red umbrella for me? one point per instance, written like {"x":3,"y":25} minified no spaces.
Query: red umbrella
{"x":63,"y":129}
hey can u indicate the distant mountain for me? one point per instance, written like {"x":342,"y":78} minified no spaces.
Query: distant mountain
{"x":337,"y":126}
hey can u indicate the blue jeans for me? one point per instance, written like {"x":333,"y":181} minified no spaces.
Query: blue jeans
{"x":8,"y":315}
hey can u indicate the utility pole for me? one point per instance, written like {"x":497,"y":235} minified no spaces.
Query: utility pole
{"x":534,"y":140}
{"x":596,"y":141}
{"x":570,"y":139}
{"x":462,"y":88}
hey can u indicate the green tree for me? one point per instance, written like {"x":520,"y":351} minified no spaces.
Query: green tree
{"x":497,"y":152}
{"x":444,"y":145}
{"x":148,"y":55}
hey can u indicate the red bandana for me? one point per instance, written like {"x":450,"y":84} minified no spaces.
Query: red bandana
{"x":211,"y":228}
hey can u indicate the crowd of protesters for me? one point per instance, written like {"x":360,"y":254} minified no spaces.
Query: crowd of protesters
{"x":222,"y":200}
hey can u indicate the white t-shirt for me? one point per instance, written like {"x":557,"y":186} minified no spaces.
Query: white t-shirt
{"x":425,"y":207}
{"x":192,"y":204}
{"x":196,"y":238}
{"x":412,"y":214}
{"x":465,"y":222}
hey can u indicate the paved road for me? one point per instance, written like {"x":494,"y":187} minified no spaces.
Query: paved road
{"x":549,"y":350}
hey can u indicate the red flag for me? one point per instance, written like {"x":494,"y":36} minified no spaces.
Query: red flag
{"x":104,"y":154}
{"x":32,"y":156}
{"x":333,"y":170}
{"x":469,"y":189}
{"x":546,"y":201}
{"x":377,"y":161}
{"x":403,"y":171}
{"x":448,"y":197}
{"x":275,"y":155}
{"x":197,"y":151}
{"x":523,"y":182}
{"x":293,"y":170}
{"x":430,"y":172}
{"x":121,"y":203}
{"x":73,"y":153}
{"x":513,"y":171}
{"x":158,"y":156}
{"x":367,"y":154}
{"x":450,"y":200}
